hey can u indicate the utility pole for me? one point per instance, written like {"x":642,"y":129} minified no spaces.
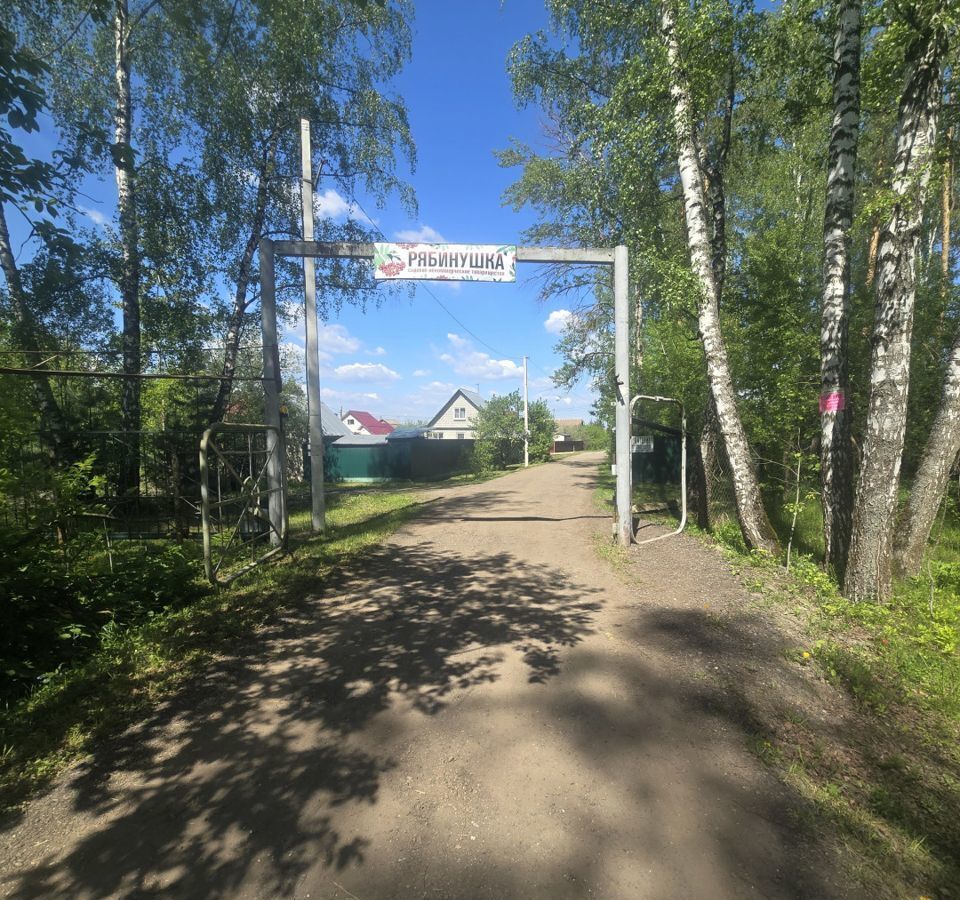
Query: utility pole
{"x":315,"y":429}
{"x":526,"y":419}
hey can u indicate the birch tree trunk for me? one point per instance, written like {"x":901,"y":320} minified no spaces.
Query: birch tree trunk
{"x":52,"y":423}
{"x":240,"y":302}
{"x":714,"y":175}
{"x":869,"y":566}
{"x":930,"y":484}
{"x":129,"y":281}
{"x":757,"y":532}
{"x":945,"y":211}
{"x":836,"y":456}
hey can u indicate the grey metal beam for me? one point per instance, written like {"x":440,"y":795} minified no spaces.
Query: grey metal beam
{"x":350,"y":250}
{"x":324,"y":249}
{"x":621,"y":320}
{"x":596,"y":255}
{"x":271,"y":389}
{"x":318,"y":512}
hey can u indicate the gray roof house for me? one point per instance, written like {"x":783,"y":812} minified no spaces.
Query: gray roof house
{"x":456,"y":417}
{"x":331,"y":425}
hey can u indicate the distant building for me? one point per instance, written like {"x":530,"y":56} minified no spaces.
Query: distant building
{"x":456,"y":417}
{"x":359,"y":421}
{"x":330,"y":424}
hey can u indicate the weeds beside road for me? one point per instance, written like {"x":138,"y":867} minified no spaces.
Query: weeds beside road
{"x":132,"y":669}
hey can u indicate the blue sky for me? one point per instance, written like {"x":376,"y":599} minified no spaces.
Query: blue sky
{"x":403,"y":359}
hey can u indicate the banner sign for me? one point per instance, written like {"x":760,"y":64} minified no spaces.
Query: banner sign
{"x":445,"y":262}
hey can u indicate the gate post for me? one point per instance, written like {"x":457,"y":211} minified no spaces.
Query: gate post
{"x":276,"y":464}
{"x":621,"y":324}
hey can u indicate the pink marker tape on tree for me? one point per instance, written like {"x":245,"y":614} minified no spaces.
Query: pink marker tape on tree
{"x":832,"y":401}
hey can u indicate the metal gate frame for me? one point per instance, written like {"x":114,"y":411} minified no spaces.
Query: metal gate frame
{"x":615,"y":258}
{"x":275,"y":492}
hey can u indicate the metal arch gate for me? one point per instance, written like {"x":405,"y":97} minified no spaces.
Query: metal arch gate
{"x":232,"y":547}
{"x":614,"y":257}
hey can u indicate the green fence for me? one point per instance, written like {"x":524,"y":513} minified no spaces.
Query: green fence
{"x":660,"y":464}
{"x":405,"y":460}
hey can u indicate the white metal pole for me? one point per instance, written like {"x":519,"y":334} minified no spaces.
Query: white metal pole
{"x":271,"y":389}
{"x":621,"y":318}
{"x":314,"y":418}
{"x":526,"y":418}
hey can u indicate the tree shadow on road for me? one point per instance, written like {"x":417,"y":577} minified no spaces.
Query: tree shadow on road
{"x":235,"y":782}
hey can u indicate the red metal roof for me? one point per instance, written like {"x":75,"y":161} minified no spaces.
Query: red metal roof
{"x":370,"y":421}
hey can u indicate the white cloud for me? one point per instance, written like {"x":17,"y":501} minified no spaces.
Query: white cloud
{"x":336,"y":339}
{"x":346,"y":396}
{"x":375,"y":373}
{"x":333,"y":205}
{"x":421,"y":373}
{"x":477,"y":365}
{"x":95,"y":216}
{"x":426,"y":400}
{"x":377,"y":351}
{"x":557,"y":321}
{"x":422,"y":235}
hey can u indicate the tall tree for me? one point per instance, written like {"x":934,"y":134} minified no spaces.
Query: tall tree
{"x":128,"y":281}
{"x":868,"y":573}
{"x":754,"y":523}
{"x":836,"y":454}
{"x":27,"y":183}
{"x":930,"y":482}
{"x":254,"y":70}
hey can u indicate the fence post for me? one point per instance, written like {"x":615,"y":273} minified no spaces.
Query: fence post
{"x":271,"y":389}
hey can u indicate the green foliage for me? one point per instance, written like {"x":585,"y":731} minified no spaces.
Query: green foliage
{"x":499,"y":432}
{"x":138,"y":661}
{"x":593,"y":435}
{"x":58,"y":605}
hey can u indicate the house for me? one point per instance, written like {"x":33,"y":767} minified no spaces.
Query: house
{"x":456,"y":417}
{"x":568,"y":426}
{"x":359,"y":421}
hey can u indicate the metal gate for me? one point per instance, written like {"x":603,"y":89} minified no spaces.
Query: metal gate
{"x":240,"y":511}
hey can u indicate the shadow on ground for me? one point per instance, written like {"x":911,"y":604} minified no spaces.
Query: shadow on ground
{"x":236,"y":787}
{"x":237,"y":781}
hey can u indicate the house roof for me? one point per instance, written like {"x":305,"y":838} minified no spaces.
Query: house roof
{"x":568,"y":424}
{"x":472,"y":397}
{"x":330,"y":423}
{"x":361,"y":440}
{"x":408,"y":434}
{"x":370,"y":421}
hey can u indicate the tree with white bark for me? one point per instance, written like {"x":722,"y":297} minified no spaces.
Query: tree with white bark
{"x":869,"y":569}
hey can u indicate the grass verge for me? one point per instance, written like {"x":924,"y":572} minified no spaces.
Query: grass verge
{"x":888,"y":779}
{"x":132,"y":670}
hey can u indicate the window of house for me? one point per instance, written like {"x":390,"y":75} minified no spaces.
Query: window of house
{"x":460,"y":435}
{"x":460,"y":412}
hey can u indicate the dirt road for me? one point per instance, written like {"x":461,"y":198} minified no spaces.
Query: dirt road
{"x":484,"y":708}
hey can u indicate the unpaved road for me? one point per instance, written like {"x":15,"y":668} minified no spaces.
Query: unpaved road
{"x":483,"y":709}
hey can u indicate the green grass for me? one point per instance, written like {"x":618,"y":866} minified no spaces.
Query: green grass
{"x":890,"y":781}
{"x":133,"y":669}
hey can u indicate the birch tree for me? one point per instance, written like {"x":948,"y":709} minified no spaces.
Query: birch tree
{"x":930,"y":482}
{"x":757,"y":532}
{"x":869,"y":566}
{"x":128,"y":280}
{"x":836,"y":456}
